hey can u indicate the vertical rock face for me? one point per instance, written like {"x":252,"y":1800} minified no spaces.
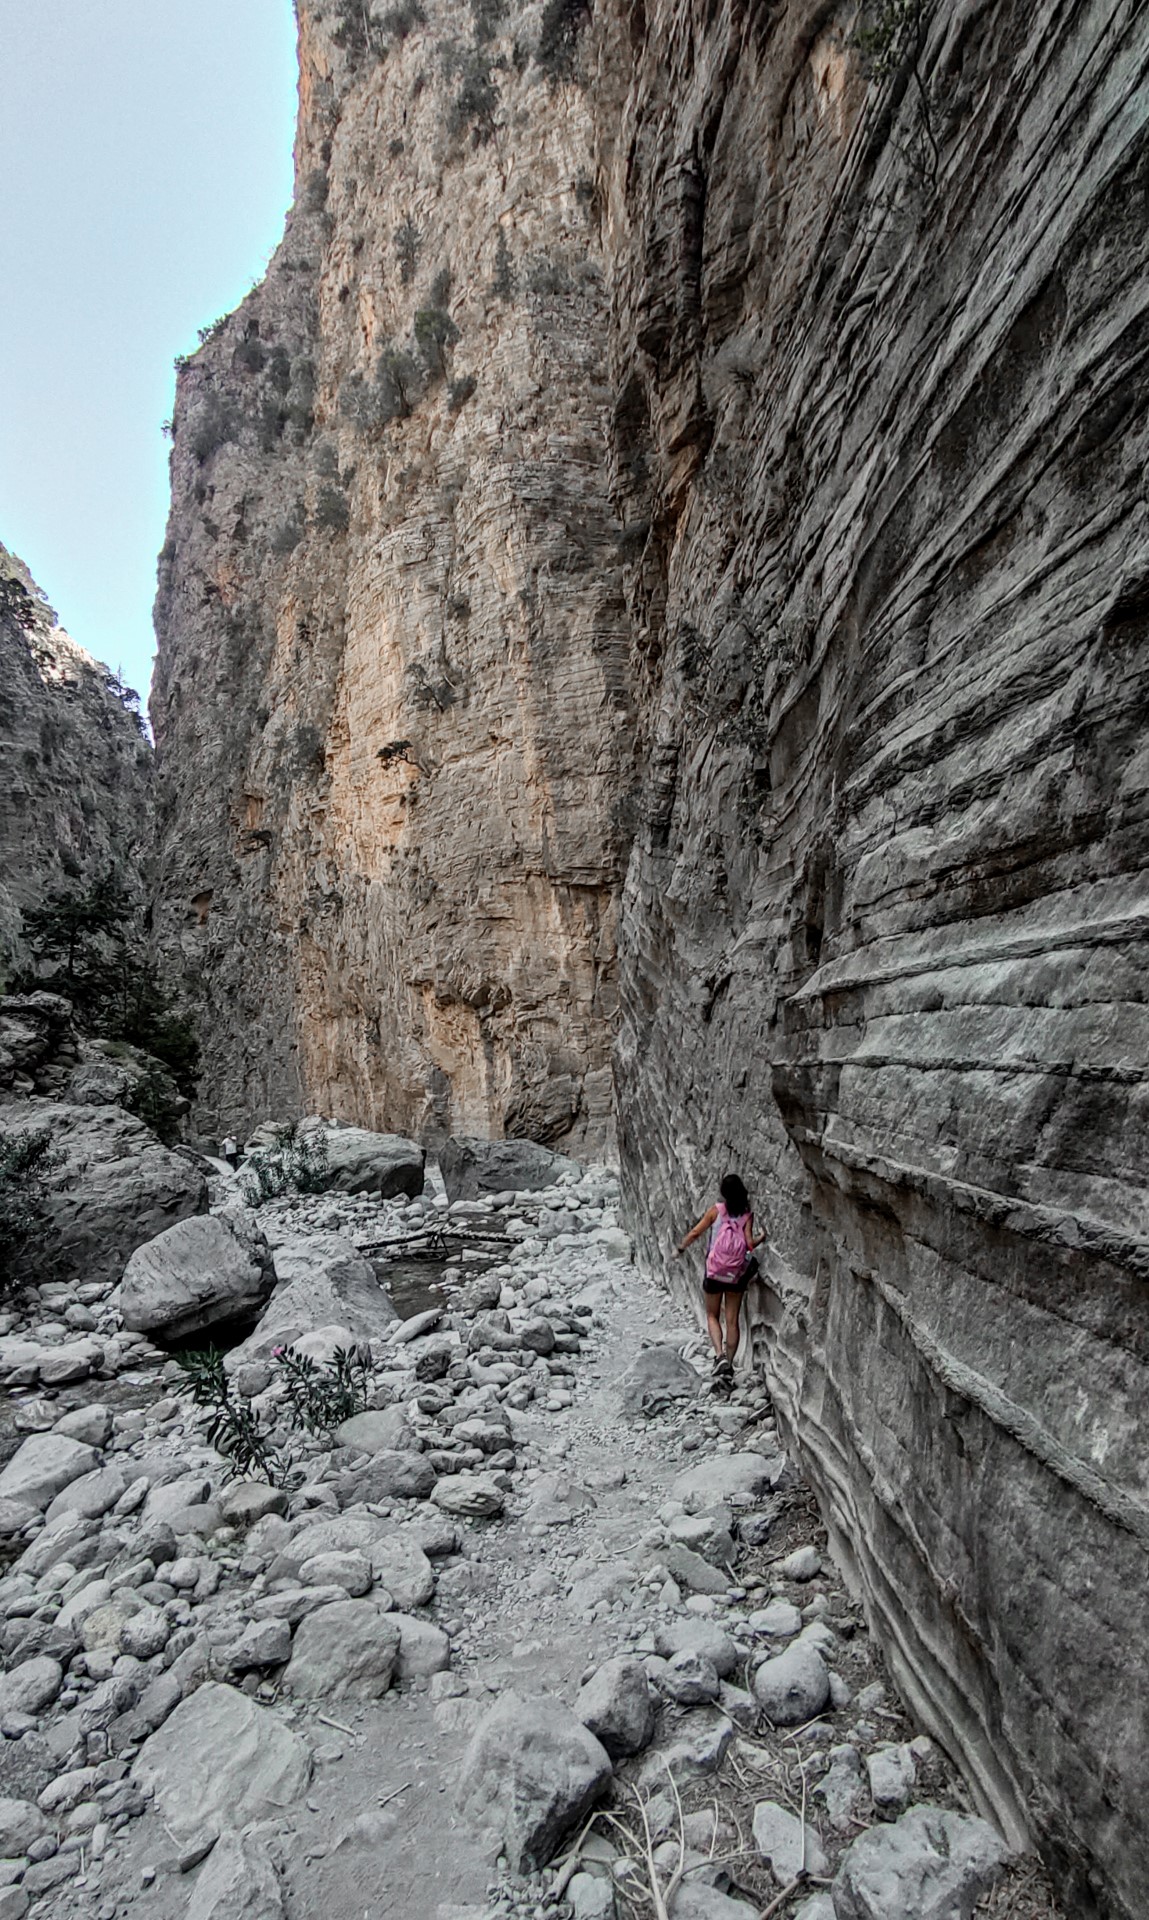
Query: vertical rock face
{"x":863,"y":589}
{"x":881,"y":413}
{"x":75,"y":765}
{"x":391,"y":703}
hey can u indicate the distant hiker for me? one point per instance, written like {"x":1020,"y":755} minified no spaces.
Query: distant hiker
{"x":729,"y":1266}
{"x":229,"y":1151}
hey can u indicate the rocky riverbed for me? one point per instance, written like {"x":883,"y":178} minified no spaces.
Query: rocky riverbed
{"x":550,"y":1628}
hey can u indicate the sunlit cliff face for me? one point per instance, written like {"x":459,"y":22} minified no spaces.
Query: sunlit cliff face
{"x":398,"y":573}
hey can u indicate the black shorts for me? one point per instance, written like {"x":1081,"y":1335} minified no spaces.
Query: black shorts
{"x":748,"y":1273}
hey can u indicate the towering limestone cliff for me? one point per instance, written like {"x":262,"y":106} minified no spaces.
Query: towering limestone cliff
{"x":674,"y":441}
{"x":880,"y":358}
{"x":391,"y":700}
{"x":75,"y":795}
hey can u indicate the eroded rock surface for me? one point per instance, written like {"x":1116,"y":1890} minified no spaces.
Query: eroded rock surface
{"x":883,"y":932}
{"x":112,"y":1186}
{"x":391,"y":705}
{"x":76,"y":787}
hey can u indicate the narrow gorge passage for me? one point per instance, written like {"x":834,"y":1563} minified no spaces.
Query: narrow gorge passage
{"x":652,"y":680}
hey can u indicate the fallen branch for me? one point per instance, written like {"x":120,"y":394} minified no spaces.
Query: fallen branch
{"x":394,"y":1794}
{"x":780,"y":1899}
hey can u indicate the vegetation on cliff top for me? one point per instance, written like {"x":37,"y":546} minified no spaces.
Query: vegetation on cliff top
{"x":87,"y":943}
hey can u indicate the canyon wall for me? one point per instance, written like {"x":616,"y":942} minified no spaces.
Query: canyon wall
{"x":390,"y":706}
{"x":75,"y":789}
{"x":880,"y":351}
{"x":699,"y":445}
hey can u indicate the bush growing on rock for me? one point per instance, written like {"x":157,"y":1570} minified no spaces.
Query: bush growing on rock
{"x":235,"y":1429}
{"x":155,"y":1100}
{"x":317,"y":1397}
{"x":25,"y":1161}
{"x":295,"y":1162}
{"x":87,"y":944}
{"x":321,"y":1397}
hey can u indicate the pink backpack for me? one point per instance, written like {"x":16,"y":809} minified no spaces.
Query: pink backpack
{"x":727,"y":1255}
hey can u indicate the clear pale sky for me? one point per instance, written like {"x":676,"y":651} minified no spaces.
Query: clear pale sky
{"x":145,"y":161}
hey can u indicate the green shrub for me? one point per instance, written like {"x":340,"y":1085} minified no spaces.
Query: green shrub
{"x":503,"y":283}
{"x":234,"y":1429}
{"x":155,"y":1100}
{"x":435,"y":334}
{"x":26,"y":1160}
{"x":460,"y":391}
{"x":407,"y":240}
{"x":321,"y":1396}
{"x":214,"y":428}
{"x":314,"y":196}
{"x":476,"y":102}
{"x":559,"y":30}
{"x":399,"y":21}
{"x":547,"y":276}
{"x":316,"y":1397}
{"x":332,"y":511}
{"x":289,"y":533}
{"x":294,"y":1163}
{"x":86,"y":943}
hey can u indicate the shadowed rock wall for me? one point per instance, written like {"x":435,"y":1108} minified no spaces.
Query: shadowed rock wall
{"x":75,"y":763}
{"x":880,"y":426}
{"x":390,"y":703}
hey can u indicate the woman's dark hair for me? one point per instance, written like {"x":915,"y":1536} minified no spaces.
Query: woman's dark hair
{"x":734,"y":1195}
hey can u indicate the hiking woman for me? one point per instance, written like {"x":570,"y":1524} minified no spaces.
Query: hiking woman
{"x":729,"y":1267}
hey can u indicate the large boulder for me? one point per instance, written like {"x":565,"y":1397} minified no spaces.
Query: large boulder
{"x":347,"y":1649}
{"x":618,"y":1706}
{"x":322,"y":1280}
{"x":379,"y":1430}
{"x":471,"y":1168}
{"x":113,"y":1187}
{"x":531,"y":1773}
{"x":218,"y":1763}
{"x":382,"y":1163}
{"x":237,"y":1882}
{"x":397,"y":1561}
{"x":196,"y":1274}
{"x":794,"y":1686}
{"x":725,"y":1476}
{"x":932,"y":1864}
{"x":387,"y":1476}
{"x":43,"y":1466}
{"x":656,"y":1377}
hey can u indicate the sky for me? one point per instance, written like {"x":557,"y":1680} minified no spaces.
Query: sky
{"x":145,"y":162}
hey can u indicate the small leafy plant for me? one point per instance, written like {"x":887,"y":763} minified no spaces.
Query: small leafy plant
{"x":235,"y":1429}
{"x":317,"y":1396}
{"x":320,"y":1396}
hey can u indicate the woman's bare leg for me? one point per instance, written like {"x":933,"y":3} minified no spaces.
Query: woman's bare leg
{"x":732,"y":1302}
{"x":713,"y":1304}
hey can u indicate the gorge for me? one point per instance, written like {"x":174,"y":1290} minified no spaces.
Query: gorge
{"x":654,"y":660}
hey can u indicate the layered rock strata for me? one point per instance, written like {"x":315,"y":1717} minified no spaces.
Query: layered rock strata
{"x":391,"y":703}
{"x":75,"y":785}
{"x":867,"y":593}
{"x":881,"y":405}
